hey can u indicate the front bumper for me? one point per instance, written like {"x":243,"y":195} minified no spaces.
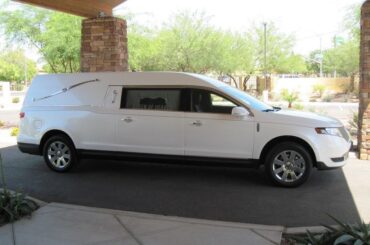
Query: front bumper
{"x":333,"y":161}
{"x":332,"y":151}
{"x":340,"y":161}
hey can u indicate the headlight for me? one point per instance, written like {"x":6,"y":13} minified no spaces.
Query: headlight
{"x":329,"y":131}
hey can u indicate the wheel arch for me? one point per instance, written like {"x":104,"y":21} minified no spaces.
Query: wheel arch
{"x":51,"y":133}
{"x":286,"y":138}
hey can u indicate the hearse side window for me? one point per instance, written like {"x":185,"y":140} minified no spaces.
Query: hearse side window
{"x":208,"y":102}
{"x":151,"y":99}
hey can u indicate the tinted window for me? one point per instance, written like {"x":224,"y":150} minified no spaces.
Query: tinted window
{"x":151,"y":99}
{"x":220,"y":101}
{"x":246,"y":98}
{"x":208,"y":102}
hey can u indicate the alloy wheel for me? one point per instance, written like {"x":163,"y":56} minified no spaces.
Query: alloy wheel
{"x":59,"y":154}
{"x":288,"y":166}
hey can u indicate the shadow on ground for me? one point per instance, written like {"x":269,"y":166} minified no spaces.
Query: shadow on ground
{"x":227,"y":194}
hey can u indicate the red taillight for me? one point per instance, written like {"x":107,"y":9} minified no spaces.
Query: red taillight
{"x":21,"y":115}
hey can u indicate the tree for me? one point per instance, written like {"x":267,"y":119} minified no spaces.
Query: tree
{"x":62,"y":42}
{"x":56,"y":35}
{"x":294,"y":63}
{"x":279,"y":51}
{"x":189,"y":43}
{"x":145,"y":49}
{"x":312,"y":63}
{"x":343,"y":59}
{"x":351,"y":21}
{"x":14,"y":66}
{"x":236,"y":54}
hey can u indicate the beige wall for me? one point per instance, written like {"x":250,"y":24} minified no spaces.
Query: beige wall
{"x":304,"y":86}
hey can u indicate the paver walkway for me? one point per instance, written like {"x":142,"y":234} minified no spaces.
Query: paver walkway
{"x":64,"y":224}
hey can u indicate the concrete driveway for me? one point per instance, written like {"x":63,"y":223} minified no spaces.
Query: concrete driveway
{"x":226,"y":194}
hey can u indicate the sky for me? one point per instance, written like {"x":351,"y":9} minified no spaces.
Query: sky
{"x":309,"y":20}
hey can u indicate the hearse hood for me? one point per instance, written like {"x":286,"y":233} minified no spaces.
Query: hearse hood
{"x":299,"y":118}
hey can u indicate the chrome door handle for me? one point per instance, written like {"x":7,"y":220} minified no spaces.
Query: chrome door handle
{"x":127,"y":119}
{"x":197,"y":123}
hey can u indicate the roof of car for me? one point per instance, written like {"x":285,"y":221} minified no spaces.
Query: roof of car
{"x":135,"y":78}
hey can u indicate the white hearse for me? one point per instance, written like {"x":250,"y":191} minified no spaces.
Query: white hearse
{"x":173,"y":116}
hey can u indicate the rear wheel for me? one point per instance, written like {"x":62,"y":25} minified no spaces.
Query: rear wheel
{"x":59,"y":153}
{"x":288,"y":164}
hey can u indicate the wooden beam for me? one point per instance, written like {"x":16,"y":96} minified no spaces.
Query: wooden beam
{"x":84,"y":8}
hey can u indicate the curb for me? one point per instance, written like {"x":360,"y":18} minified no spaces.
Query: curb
{"x":303,"y":230}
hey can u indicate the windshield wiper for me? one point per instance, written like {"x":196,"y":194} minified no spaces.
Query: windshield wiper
{"x":274,"y":108}
{"x":268,"y":110}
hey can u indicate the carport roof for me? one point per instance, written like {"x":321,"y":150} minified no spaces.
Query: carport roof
{"x":84,"y":8}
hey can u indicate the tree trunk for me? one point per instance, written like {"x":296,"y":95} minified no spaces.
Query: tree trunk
{"x":352,"y":83}
{"x":246,"y":79}
{"x":232,"y":78}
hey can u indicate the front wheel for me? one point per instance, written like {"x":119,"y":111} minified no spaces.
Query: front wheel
{"x":288,"y":164}
{"x":59,"y":153}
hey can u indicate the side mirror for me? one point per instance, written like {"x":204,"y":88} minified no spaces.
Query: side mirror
{"x":239,"y":112}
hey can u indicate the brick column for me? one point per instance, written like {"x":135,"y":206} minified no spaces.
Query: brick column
{"x":364,"y":108}
{"x":104,"y":45}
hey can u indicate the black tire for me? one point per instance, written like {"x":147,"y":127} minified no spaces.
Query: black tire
{"x":60,"y":153}
{"x":288,"y":164}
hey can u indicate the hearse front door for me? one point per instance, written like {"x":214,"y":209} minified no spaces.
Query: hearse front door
{"x":212,"y":131}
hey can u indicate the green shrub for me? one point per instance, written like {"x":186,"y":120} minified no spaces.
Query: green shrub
{"x":298,"y":107}
{"x":327,"y":98}
{"x":319,"y":88}
{"x":289,"y":97}
{"x":354,"y":122}
{"x":13,"y":206}
{"x":15,"y":100}
{"x":343,"y":235}
{"x":14,"y":132}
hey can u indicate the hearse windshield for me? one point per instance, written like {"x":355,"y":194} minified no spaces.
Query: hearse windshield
{"x":247,"y":99}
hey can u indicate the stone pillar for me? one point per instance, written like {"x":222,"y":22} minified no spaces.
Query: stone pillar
{"x":364,"y":108}
{"x":104,"y":45}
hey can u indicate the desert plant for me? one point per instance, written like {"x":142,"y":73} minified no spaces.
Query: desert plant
{"x":358,"y":234}
{"x":298,"y":107}
{"x":289,"y":97}
{"x":14,"y":132}
{"x":354,"y":121}
{"x":319,"y":88}
{"x":13,"y":206}
{"x":15,"y":100}
{"x":327,"y":98}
